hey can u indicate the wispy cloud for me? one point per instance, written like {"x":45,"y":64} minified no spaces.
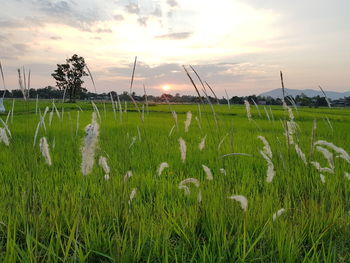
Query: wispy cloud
{"x":132,"y":8}
{"x":177,"y":36}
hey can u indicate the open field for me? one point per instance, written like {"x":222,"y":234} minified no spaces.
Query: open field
{"x":55,"y":214}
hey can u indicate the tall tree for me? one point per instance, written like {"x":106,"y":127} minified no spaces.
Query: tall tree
{"x":68,"y":76}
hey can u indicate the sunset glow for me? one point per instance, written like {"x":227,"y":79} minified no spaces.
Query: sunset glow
{"x":241,"y":49}
{"x":166,"y":87}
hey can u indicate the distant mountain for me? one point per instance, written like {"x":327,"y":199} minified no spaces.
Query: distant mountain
{"x":277,"y":93}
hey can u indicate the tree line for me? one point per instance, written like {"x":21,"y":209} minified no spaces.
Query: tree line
{"x":51,"y":92}
{"x":68,"y":77}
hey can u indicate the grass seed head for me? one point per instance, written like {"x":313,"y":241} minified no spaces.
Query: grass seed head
{"x":188,"y":121}
{"x":202,"y":143}
{"x":278,"y":214}
{"x":242,"y":200}
{"x":3,"y":137}
{"x":162,"y":166}
{"x":89,"y":146}
{"x":44,"y":148}
{"x":207,"y":172}
{"x":182,"y":149}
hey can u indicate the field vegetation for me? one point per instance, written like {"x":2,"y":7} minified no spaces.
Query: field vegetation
{"x":103,"y":182}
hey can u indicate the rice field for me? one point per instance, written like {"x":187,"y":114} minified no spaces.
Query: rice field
{"x":96,"y":182}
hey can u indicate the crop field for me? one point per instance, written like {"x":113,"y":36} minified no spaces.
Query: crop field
{"x":102,"y":182}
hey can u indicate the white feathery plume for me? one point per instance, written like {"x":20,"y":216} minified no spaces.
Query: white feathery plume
{"x":247,"y":108}
{"x":188,"y":120}
{"x":6,"y":127}
{"x":292,"y":127}
{"x":44,"y":148}
{"x":300,"y":153}
{"x":3,"y":137}
{"x":270,"y":173}
{"x":327,"y":155}
{"x":207,"y":172}
{"x":132,"y":195}
{"x":347,"y":175}
{"x":183,"y":186}
{"x":340,"y":151}
{"x":278,"y":214}
{"x":127,"y":175}
{"x":89,"y":145}
{"x":289,"y":132}
{"x":242,"y":200}
{"x":290,"y":111}
{"x":267,"y":155}
{"x":190,"y":181}
{"x":322,"y":169}
{"x":267,"y":148}
{"x":162,"y":166}
{"x":182,"y":149}
{"x":103,"y":163}
{"x":323,"y":178}
{"x":202,"y":143}
{"x":223,"y":171}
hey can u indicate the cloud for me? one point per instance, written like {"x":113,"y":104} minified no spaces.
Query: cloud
{"x":118,"y":17}
{"x":2,"y":38}
{"x":104,"y":30}
{"x":157,"y":12}
{"x":215,"y":73}
{"x":142,"y":20}
{"x":55,"y":38}
{"x":58,"y":8}
{"x":96,"y":38}
{"x":132,"y":8}
{"x":82,"y":17}
{"x":172,"y":3}
{"x":175,"y":36}
{"x":11,"y":24}
{"x":11,"y":51}
{"x":20,"y":47}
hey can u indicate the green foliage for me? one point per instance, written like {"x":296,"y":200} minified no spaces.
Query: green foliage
{"x":68,"y":76}
{"x":55,"y":214}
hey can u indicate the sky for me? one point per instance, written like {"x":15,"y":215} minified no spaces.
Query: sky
{"x":235,"y":45}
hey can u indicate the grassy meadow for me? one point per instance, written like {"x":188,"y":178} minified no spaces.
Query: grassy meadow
{"x":56,"y":214}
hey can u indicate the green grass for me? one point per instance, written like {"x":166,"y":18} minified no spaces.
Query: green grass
{"x":55,"y":214}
